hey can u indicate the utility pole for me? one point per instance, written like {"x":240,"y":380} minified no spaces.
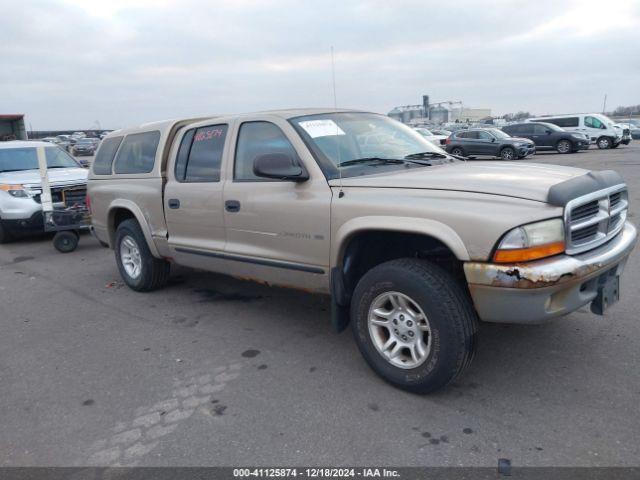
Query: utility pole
{"x":604,"y":105}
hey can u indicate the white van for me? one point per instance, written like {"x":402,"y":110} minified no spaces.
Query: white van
{"x":598,"y":127}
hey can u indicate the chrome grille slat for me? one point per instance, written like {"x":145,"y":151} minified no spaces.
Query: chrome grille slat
{"x":593,"y":219}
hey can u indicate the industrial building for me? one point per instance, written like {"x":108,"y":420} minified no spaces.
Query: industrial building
{"x":428,"y":113}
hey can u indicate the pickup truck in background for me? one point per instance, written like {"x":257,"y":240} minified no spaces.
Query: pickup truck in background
{"x":413,"y":245}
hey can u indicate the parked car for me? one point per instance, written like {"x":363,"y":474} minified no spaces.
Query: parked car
{"x":431,"y":136}
{"x":412,"y":244}
{"x":489,"y":141}
{"x":548,"y":136}
{"x":624,"y":131}
{"x":446,"y":133}
{"x":599,"y":128}
{"x":85,"y":146}
{"x":633,"y":124}
{"x":20,"y":186}
{"x":65,"y":142}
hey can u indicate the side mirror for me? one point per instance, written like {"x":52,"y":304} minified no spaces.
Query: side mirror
{"x":549,"y":132}
{"x":493,"y":139}
{"x":279,"y":166}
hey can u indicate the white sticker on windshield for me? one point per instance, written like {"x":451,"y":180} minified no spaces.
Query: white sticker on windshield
{"x":321,"y":128}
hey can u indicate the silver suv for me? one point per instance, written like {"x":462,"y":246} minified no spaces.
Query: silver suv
{"x":20,"y":186}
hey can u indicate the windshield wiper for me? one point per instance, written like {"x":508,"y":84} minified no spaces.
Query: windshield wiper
{"x":426,"y":154}
{"x":383,"y":161}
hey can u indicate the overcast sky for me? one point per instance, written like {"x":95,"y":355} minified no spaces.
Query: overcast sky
{"x":72,"y":63}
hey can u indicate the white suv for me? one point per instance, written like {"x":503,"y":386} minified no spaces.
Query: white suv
{"x":20,"y":187}
{"x":598,"y":127}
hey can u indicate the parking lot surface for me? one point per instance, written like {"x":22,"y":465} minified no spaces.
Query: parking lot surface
{"x":216,"y":371}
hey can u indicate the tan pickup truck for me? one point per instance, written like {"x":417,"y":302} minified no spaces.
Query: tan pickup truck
{"x":413,"y":245}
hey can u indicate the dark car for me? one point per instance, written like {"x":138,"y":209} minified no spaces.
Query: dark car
{"x":548,"y":136}
{"x":85,"y":146}
{"x":489,"y":141}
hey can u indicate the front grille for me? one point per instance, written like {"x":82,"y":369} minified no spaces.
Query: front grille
{"x":73,"y":195}
{"x":584,"y":211}
{"x":595,"y":218}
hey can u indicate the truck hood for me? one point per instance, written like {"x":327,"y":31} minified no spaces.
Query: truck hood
{"x":530,"y":181}
{"x":57,"y":176}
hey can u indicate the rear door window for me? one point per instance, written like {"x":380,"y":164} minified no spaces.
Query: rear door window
{"x":200,"y":154}
{"x":540,"y":129}
{"x":106,"y":153}
{"x":137,"y":153}
{"x":564,"y":122}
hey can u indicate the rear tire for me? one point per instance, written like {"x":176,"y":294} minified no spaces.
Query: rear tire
{"x":66,"y":241}
{"x":457,"y":151}
{"x":564,"y":146}
{"x":139,"y":269}
{"x":604,"y":143}
{"x":432,"y":308}
{"x":508,"y":153}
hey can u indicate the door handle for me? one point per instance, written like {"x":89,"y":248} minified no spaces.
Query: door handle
{"x":174,"y":203}
{"x":232,"y":206}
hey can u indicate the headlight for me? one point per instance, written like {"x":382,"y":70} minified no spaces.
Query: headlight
{"x":14,"y":190}
{"x":531,"y":242}
{"x":578,"y":136}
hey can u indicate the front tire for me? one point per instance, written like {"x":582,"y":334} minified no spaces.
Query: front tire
{"x":604,"y":143}
{"x":139,"y":269}
{"x":414,"y":324}
{"x":5,"y":236}
{"x":508,"y":153}
{"x":564,"y":146}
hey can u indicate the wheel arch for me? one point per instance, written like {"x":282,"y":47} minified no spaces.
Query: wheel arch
{"x":504,"y":146}
{"x":366,"y":242}
{"x":564,"y":139}
{"x":608,"y":137}
{"x":121,"y":210}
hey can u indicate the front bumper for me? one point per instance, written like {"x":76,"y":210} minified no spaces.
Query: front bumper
{"x":526,"y":150}
{"x":32,"y":224}
{"x":535,"y":292}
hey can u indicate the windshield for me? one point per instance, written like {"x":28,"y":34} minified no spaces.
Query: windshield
{"x":344,"y":138}
{"x":17,"y":159}
{"x":85,"y":140}
{"x":499,"y":133}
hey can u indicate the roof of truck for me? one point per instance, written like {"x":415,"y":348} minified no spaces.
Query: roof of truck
{"x":164,"y":125}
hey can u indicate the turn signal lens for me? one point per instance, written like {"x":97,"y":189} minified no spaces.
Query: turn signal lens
{"x":531,"y":242}
{"x":527,"y":254}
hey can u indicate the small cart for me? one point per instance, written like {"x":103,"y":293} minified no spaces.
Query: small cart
{"x":64,"y":210}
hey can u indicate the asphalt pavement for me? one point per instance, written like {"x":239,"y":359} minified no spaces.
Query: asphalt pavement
{"x":216,"y":371}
